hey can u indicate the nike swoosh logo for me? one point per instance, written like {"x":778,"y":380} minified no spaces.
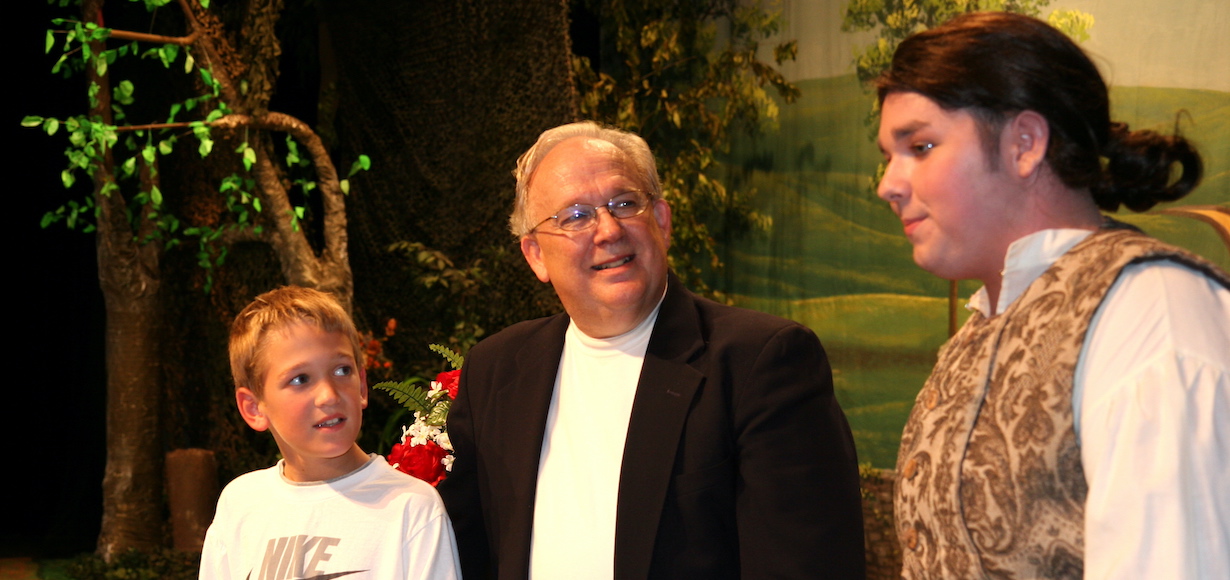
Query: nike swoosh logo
{"x":323,"y":576}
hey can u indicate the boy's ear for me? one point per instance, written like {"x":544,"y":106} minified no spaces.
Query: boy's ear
{"x":250,"y":408}
{"x":363,"y":386}
{"x":1029,"y":136}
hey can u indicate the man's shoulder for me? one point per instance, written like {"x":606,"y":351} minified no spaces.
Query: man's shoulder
{"x":516,"y":336}
{"x":722,"y":319}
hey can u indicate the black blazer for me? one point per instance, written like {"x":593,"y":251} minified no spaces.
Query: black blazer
{"x":738,"y":461}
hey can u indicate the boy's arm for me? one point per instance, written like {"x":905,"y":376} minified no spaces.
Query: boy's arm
{"x":433,"y":549}
{"x":214,"y":563}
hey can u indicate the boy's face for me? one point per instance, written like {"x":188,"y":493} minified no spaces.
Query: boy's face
{"x":958,"y":207}
{"x":313,"y":398}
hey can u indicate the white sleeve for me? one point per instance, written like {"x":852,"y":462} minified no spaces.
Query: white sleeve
{"x":432,"y":548}
{"x":1151,"y":401}
{"x":214,"y":560}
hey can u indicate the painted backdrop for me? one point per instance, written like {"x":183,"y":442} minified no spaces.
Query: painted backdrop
{"x":835,"y":258}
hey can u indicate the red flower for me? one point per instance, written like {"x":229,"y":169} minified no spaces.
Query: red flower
{"x":448,"y":382}
{"x":421,"y":461}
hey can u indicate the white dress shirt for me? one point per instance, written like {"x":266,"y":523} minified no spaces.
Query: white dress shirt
{"x":1151,"y":405}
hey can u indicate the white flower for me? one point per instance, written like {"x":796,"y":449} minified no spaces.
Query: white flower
{"x":442,"y":440}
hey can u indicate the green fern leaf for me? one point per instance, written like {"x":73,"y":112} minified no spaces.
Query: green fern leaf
{"x":440,"y":413}
{"x":453,"y":358}
{"x":409,"y":393}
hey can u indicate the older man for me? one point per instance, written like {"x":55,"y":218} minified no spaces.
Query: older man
{"x":646,"y":432}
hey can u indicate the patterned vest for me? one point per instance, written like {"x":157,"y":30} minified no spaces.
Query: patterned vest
{"x":990,"y":483}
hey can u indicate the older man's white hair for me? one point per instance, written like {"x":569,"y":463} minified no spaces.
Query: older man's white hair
{"x":630,"y":144}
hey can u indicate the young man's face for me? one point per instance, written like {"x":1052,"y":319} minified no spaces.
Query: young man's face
{"x":610,"y":276}
{"x":957,"y":206}
{"x":313,"y":400}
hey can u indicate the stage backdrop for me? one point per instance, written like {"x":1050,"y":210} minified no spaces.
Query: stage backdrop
{"x":836,"y":259}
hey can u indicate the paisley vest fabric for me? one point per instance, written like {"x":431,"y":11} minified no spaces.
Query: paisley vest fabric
{"x":990,"y":483}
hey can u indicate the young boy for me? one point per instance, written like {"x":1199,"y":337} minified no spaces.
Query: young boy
{"x":327,"y":509}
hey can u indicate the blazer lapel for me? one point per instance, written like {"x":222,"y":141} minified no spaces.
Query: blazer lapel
{"x":521,"y":406}
{"x":663,"y":397}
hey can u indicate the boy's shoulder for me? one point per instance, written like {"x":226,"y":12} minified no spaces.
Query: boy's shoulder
{"x":376,"y":481}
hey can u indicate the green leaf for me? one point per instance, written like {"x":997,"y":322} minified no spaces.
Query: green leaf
{"x":155,"y":196}
{"x":364,"y":163}
{"x":439,"y":413}
{"x":51,"y":126}
{"x":167,"y":54}
{"x":345,"y":186}
{"x":207,"y":145}
{"x":165,"y":146}
{"x":123,"y":92}
{"x":149,"y":154}
{"x":409,"y":393}
{"x":256,"y":205}
{"x":189,"y":62}
{"x":249,"y":158}
{"x":454,"y":359}
{"x":50,"y":42}
{"x":67,"y":178}
{"x":292,"y":151}
{"x":299,"y":210}
{"x":128,"y":166}
{"x":31,"y":121}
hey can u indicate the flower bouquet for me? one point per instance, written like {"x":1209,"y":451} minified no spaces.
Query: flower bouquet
{"x":424,"y":450}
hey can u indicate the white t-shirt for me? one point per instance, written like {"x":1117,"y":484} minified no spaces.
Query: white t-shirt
{"x":375,"y":522}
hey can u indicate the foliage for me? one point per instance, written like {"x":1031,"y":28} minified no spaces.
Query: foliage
{"x":898,"y":19}
{"x":138,"y":147}
{"x":415,"y":398}
{"x":456,"y":292}
{"x":161,"y":564}
{"x":454,"y":359}
{"x":411,"y":394}
{"x":685,"y":75}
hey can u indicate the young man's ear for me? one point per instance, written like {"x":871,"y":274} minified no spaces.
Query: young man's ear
{"x":250,"y":408}
{"x":1028,"y":136}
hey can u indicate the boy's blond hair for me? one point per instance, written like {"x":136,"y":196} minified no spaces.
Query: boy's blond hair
{"x":277,"y":310}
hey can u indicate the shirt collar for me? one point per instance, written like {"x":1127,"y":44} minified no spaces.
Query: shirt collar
{"x":1027,"y":258}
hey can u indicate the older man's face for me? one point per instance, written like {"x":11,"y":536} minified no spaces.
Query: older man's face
{"x":610,"y":276}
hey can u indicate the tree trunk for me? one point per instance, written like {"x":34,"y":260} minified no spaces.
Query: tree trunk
{"x":128,"y":276}
{"x":132,"y":484}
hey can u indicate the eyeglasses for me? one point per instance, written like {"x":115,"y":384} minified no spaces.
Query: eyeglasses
{"x":581,"y":216}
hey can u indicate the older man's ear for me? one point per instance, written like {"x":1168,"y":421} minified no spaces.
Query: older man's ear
{"x":533,"y":254}
{"x":662,"y":215}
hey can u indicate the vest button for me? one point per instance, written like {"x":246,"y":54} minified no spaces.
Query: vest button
{"x":911,"y":539}
{"x":911,"y":468}
{"x":932,"y":398}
